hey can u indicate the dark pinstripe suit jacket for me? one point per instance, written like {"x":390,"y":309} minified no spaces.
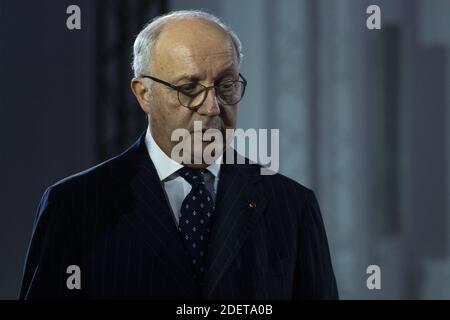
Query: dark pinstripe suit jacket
{"x":114,"y":222}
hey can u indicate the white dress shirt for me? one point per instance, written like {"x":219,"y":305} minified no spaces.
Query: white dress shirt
{"x":176,"y":187}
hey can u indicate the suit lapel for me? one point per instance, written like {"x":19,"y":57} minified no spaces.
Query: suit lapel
{"x":142,"y":202}
{"x":238,"y":209}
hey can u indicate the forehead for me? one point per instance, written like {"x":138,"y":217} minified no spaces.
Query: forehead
{"x":193,"y":47}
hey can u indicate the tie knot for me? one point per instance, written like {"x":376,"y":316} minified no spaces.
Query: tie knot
{"x":193,"y":176}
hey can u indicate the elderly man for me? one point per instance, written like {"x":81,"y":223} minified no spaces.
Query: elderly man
{"x":143,"y":225}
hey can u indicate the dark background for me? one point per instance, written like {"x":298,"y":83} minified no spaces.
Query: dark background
{"x":363,"y":117}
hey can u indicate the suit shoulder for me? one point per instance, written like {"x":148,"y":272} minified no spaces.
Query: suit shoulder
{"x":297,"y":186}
{"x":289,"y":197}
{"x":94,"y":177}
{"x":271,"y":177}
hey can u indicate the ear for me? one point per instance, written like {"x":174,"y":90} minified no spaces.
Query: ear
{"x":140,"y":91}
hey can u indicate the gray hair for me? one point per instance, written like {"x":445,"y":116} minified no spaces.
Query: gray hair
{"x":147,"y":38}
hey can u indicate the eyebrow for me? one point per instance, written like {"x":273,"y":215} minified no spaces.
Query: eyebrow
{"x":196,"y":78}
{"x":189,"y":77}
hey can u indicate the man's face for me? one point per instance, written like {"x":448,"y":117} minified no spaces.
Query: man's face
{"x":190,"y":51}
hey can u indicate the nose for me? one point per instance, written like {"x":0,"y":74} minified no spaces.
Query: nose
{"x":210,"y":106}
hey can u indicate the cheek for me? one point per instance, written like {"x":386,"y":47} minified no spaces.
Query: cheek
{"x":172,"y":117}
{"x":164,"y":111}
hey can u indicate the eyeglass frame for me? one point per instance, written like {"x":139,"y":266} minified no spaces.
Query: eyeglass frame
{"x":177,"y":88}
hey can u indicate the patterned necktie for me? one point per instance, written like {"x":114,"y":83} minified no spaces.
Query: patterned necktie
{"x":194,"y":223}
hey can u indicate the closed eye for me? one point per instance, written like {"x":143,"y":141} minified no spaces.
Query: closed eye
{"x":189,"y":88}
{"x":226,"y":87}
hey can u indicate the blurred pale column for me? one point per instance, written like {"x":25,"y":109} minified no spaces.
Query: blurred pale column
{"x":343,"y":175}
{"x":383,"y":49}
{"x":434,"y":32}
{"x":289,"y":84}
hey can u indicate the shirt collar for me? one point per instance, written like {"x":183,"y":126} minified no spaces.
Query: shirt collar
{"x":166,"y":166}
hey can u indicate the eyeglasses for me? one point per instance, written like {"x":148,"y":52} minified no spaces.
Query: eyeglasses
{"x":192,"y":95}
